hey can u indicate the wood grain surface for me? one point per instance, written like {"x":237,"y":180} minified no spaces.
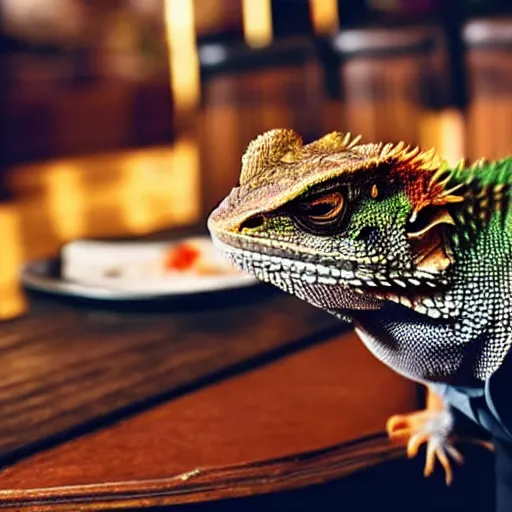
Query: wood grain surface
{"x":250,"y":479}
{"x":68,"y":366}
{"x":310,"y":417}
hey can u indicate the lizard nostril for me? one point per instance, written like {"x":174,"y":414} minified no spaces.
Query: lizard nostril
{"x":252,"y":223}
{"x":368,"y":232}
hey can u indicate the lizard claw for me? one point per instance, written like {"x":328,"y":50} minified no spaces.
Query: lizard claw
{"x":432,"y":427}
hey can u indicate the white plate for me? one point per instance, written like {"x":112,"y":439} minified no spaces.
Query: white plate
{"x":129,"y":271}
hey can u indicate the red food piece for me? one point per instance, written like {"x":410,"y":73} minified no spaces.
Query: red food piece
{"x":181,"y":257}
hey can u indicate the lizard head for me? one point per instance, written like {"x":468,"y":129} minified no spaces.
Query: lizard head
{"x":340,"y":224}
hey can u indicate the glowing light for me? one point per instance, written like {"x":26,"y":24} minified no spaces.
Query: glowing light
{"x":257,"y":21}
{"x":161,"y":187}
{"x":182,"y":55}
{"x":185,"y":192}
{"x":444,"y":131}
{"x":65,"y":197}
{"x":12,"y":301}
{"x":324,"y":16}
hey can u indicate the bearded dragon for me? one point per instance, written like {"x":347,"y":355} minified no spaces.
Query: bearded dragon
{"x":416,"y":254}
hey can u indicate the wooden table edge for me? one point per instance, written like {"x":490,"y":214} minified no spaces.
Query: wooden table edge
{"x":205,"y":484}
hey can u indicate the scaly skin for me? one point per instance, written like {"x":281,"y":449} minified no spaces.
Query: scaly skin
{"x":417,"y":255}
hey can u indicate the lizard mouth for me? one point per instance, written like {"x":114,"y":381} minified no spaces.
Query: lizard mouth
{"x":422,"y":303}
{"x":422,"y":295}
{"x":415,"y":289}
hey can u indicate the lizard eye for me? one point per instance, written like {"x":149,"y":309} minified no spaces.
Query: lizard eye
{"x":321,"y":213}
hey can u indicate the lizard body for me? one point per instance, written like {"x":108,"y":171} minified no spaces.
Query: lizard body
{"x":415,"y":253}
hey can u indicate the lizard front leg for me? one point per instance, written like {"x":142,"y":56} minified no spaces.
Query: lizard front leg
{"x":432,"y":426}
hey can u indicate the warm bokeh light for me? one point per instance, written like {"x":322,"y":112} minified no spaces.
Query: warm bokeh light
{"x":257,"y":20}
{"x":131,"y":192}
{"x":182,"y":55}
{"x":324,"y":16}
{"x":160,"y":187}
{"x":185,"y":182}
{"x":445,"y":131}
{"x":12,"y":301}
{"x":65,"y":200}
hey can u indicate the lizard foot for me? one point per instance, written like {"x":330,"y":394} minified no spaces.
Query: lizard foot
{"x":429,"y":426}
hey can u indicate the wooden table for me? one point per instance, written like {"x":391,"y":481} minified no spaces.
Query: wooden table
{"x":291,"y":422}
{"x":236,"y":397}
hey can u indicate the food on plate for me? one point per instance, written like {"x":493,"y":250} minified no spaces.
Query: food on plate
{"x":188,"y":257}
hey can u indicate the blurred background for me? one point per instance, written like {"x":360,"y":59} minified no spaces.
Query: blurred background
{"x":124,"y":117}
